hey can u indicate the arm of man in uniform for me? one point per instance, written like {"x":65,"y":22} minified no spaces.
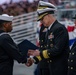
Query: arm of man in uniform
{"x":37,"y":55}
{"x":56,"y":50}
{"x":12,"y":50}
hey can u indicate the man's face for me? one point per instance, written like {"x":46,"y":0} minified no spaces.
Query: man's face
{"x":45,"y":20}
{"x":9,"y":29}
{"x":8,"y":26}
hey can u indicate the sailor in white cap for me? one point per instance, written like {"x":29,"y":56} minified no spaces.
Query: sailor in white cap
{"x":53,"y":53}
{"x":8,"y":49}
{"x":6,"y":22}
{"x":6,"y":17}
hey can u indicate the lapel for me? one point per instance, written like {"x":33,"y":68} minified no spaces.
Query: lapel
{"x":54,"y":25}
{"x":52,"y":29}
{"x":50,"y":34}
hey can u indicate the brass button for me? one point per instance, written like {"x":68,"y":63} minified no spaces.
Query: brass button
{"x":50,"y":60}
{"x":68,"y":60}
{"x":71,"y":60}
{"x":42,"y":40}
{"x":68,"y":67}
{"x":71,"y":68}
{"x":72,"y":53}
{"x":48,"y":53}
{"x":47,"y":45}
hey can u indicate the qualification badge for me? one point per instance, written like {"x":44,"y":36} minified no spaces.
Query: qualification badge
{"x":45,"y":29}
{"x":51,"y":36}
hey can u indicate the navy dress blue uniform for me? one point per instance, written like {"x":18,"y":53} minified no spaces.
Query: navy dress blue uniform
{"x":57,"y":44}
{"x":53,"y":58}
{"x":9,"y":52}
{"x":42,"y":37}
{"x":72,"y":59}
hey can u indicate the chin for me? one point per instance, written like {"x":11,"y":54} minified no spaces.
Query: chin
{"x":45,"y":25}
{"x":9,"y":30}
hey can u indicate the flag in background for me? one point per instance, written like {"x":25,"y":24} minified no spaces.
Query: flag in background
{"x":70,"y":28}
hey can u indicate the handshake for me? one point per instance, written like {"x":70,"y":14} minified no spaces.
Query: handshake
{"x":31,"y":54}
{"x":29,"y":49}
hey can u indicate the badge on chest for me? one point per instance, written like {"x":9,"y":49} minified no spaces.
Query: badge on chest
{"x":51,"y":36}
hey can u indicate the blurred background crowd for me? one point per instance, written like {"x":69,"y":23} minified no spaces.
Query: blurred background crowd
{"x":18,"y":7}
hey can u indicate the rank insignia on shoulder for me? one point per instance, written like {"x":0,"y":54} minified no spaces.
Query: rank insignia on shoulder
{"x":51,"y":36}
{"x":45,"y":29}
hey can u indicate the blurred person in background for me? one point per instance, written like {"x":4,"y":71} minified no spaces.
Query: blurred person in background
{"x":71,"y":28}
{"x":8,"y":49}
{"x":72,"y":58}
{"x":52,"y":57}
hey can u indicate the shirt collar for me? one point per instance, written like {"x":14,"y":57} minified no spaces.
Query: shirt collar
{"x":51,"y":25}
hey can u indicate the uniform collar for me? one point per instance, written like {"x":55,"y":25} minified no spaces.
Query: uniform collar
{"x":51,"y":25}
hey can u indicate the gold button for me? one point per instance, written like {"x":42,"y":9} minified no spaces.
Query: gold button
{"x":68,"y":67}
{"x":47,"y":45}
{"x":72,"y":53}
{"x":68,"y":60}
{"x":42,"y":40}
{"x":71,"y":60}
{"x":48,"y":53}
{"x":50,"y":60}
{"x":71,"y":68}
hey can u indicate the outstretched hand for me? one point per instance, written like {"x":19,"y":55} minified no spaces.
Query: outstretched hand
{"x":33,"y":52}
{"x":30,"y":61}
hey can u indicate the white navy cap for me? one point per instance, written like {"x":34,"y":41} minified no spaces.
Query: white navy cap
{"x":44,"y":8}
{"x":6,"y":17}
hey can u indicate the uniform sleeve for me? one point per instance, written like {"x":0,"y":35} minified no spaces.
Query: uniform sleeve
{"x":60,"y":42}
{"x":12,"y":50}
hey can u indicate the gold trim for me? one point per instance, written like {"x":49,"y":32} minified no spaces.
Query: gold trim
{"x":45,"y":54}
{"x":39,"y":17}
{"x":39,"y":58}
{"x":42,"y":7}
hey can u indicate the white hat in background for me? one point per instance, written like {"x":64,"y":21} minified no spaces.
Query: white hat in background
{"x":45,"y":8}
{"x":6,"y":17}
